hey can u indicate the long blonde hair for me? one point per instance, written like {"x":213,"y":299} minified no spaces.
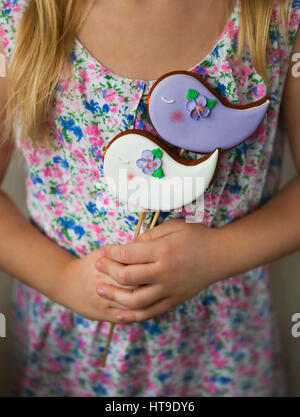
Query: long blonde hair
{"x":44,"y":44}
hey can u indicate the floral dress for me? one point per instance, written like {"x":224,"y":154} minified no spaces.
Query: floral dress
{"x":223,"y":341}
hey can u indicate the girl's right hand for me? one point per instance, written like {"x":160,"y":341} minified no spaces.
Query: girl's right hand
{"x":77,"y":290}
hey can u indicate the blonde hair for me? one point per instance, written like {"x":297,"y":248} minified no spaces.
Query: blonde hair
{"x":44,"y":44}
{"x":255,"y":22}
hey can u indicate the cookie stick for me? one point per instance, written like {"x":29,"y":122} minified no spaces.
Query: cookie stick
{"x":112,"y":326}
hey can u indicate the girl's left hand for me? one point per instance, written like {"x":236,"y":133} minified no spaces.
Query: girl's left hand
{"x":166,"y":266}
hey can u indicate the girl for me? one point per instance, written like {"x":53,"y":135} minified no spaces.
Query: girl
{"x":191,"y":321}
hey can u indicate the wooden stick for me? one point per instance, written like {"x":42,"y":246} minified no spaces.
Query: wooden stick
{"x":113,"y":325}
{"x":139,"y":225}
{"x":109,"y":338}
{"x":181,"y":152}
{"x":154,"y":220}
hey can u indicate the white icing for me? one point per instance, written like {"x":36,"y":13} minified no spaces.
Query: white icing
{"x":167,"y":100}
{"x":181,"y":184}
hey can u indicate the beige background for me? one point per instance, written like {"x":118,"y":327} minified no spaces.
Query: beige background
{"x":285,"y":281}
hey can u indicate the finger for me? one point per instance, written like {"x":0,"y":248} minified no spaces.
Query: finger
{"x":113,"y":304}
{"x":132,"y":316}
{"x":140,"y":298}
{"x":114,"y":315}
{"x":131,"y":253}
{"x":128,"y":275}
{"x":162,"y":230}
{"x":109,"y":280}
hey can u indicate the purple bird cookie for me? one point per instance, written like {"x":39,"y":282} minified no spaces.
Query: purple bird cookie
{"x":186,"y":112}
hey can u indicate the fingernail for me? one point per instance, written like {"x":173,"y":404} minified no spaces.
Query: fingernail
{"x":98,"y":265}
{"x":101,"y":292}
{"x":120,"y":317}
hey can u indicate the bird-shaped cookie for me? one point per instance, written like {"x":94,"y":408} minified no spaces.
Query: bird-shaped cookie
{"x":186,"y":112}
{"x":146,"y":173}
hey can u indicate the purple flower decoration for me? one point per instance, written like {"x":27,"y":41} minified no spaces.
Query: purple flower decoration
{"x":148,"y":163}
{"x":198,"y":107}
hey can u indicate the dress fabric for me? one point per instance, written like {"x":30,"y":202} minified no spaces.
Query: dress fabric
{"x":223,"y":341}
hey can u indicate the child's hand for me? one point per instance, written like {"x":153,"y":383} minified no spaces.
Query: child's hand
{"x":170,"y":264}
{"x":76,"y":290}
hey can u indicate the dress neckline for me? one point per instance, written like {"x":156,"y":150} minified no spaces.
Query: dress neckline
{"x":125,"y":79}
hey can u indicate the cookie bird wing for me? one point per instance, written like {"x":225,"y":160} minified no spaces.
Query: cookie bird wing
{"x":143,"y":172}
{"x":186,"y":112}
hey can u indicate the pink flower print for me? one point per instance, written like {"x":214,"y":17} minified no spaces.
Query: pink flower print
{"x":232,"y":30}
{"x":58,"y":212}
{"x":93,"y":377}
{"x":250,"y":170}
{"x":67,"y":385}
{"x":96,"y":142}
{"x":61,"y":107}
{"x":134,"y":334}
{"x":211,"y":388}
{"x":109,"y":95}
{"x":95,"y":228}
{"x":57,"y":172}
{"x":77,"y":154}
{"x":95,"y":174}
{"x":124,"y":367}
{"x":52,"y":365}
{"x":114,"y":109}
{"x":92,"y":130}
{"x":84,"y":75}
{"x":81,"y":251}
{"x":47,"y":172}
{"x":26,"y":144}
{"x":5,"y":43}
{"x":219,"y":363}
{"x":77,"y":190}
{"x":244,"y":72}
{"x":34,"y":159}
{"x":200,"y":349}
{"x":40,"y":196}
{"x":226,"y":68}
{"x":135,"y":97}
{"x":79,"y":180}
{"x":121,"y":233}
{"x":80,"y":87}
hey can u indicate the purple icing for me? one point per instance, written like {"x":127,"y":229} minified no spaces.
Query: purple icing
{"x":197,"y":108}
{"x":225,"y":127}
{"x":148,"y":163}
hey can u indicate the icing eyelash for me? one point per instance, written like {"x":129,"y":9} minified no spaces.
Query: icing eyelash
{"x":123,"y":161}
{"x":168,"y":101}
